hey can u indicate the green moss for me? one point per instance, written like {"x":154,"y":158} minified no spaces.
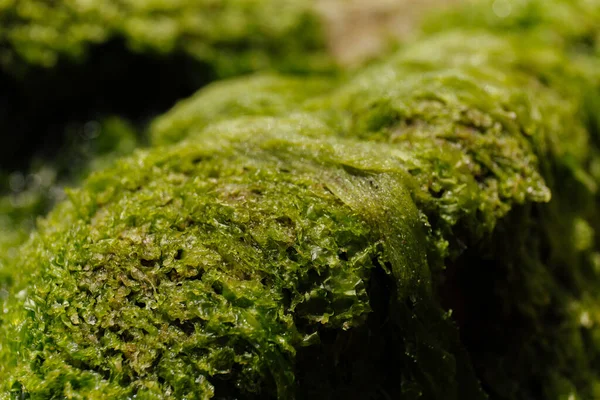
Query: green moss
{"x":29,"y":195}
{"x":307,"y":264}
{"x":498,"y":130}
{"x":424,"y":230}
{"x":233,"y":36}
{"x":572,"y":24}
{"x":254,"y":95}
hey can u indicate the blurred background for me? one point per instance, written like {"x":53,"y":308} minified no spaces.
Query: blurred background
{"x":80,"y":81}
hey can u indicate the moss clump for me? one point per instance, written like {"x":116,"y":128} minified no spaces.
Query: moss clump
{"x":233,"y":36}
{"x":300,"y":251}
{"x":242,"y":256}
{"x":572,"y":24}
{"x":27,"y":196}
{"x":515,"y":113}
{"x":260,"y":95}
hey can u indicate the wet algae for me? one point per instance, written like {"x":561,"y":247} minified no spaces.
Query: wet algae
{"x":36,"y":32}
{"x":425,"y":229}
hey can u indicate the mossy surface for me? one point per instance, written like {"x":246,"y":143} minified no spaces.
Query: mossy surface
{"x":425,"y":230}
{"x":259,"y":95}
{"x":234,"y":35}
{"x":27,"y":196}
{"x":571,"y":24}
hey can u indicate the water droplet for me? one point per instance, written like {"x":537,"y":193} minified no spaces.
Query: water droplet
{"x":314,"y":253}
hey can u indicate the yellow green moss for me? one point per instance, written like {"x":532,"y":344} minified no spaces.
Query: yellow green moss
{"x":233,"y":35}
{"x":425,"y":230}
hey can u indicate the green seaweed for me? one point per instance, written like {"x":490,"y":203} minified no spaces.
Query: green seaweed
{"x":424,"y":230}
{"x":259,"y":94}
{"x":27,"y":196}
{"x":571,"y":24}
{"x":233,"y":36}
{"x":242,"y":255}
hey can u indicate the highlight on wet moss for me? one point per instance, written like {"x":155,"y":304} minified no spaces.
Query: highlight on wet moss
{"x":425,"y":230}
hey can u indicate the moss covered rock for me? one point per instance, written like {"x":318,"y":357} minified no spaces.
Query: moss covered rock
{"x":259,"y":95}
{"x":425,"y":230}
{"x":27,"y":196}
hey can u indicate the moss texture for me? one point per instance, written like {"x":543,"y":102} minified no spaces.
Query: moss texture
{"x":569,"y":24}
{"x":425,"y":230}
{"x":258,"y":95}
{"x":27,"y":196}
{"x":215,"y":32}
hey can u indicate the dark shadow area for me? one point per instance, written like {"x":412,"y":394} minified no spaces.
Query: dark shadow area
{"x":361,"y":363}
{"x":36,"y":107}
{"x":508,"y":295}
